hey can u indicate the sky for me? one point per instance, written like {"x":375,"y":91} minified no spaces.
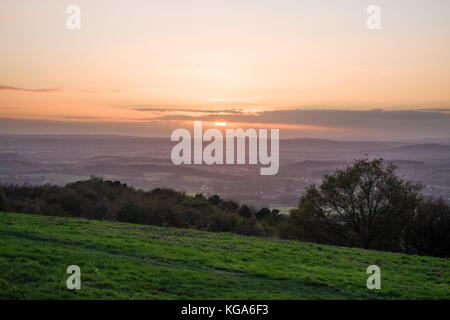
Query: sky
{"x":310,"y":68}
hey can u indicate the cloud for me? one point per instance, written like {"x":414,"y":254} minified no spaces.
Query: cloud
{"x":9,"y":108}
{"x":9,"y":126}
{"x":226,"y":111}
{"x":99,"y":91}
{"x":54,"y":90}
{"x":375,"y":123}
{"x":328,"y":117}
{"x":9,"y":88}
{"x":436,"y":109}
{"x":80,"y":118}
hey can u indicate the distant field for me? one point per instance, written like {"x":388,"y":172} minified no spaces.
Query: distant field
{"x":155,"y":176}
{"x":126,"y":261}
{"x":283,"y":210}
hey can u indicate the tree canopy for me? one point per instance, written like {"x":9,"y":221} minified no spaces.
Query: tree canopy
{"x":363,"y":205}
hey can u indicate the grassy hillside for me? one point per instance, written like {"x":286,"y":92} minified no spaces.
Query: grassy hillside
{"x":126,"y":261}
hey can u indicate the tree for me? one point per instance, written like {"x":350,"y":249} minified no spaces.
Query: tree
{"x":2,"y":200}
{"x":229,"y":206}
{"x":263,"y":213}
{"x":215,"y":200}
{"x":364,"y":205}
{"x":428,"y":232}
{"x":245,"y":211}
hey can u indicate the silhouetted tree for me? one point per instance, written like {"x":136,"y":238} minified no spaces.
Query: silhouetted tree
{"x":263,"y":213}
{"x":215,"y":200}
{"x":2,"y":200}
{"x":428,"y":232}
{"x":364,"y":205}
{"x":229,"y":206}
{"x":244,"y":211}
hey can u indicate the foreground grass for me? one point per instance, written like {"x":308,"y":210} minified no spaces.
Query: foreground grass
{"x":127,"y":261}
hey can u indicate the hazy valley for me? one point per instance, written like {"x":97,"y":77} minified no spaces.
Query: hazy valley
{"x":145,"y":163}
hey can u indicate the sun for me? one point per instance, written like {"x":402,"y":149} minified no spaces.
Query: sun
{"x":221,"y":124}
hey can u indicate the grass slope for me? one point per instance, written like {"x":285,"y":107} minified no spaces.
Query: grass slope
{"x":126,"y":261}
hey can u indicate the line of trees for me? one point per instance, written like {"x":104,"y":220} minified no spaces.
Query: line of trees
{"x":364,"y":205}
{"x":115,"y":201}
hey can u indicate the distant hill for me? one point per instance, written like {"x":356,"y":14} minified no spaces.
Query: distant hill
{"x":325,"y":144}
{"x":12,"y":166}
{"x":10,"y":156}
{"x":313,"y":164}
{"x":427,"y":147}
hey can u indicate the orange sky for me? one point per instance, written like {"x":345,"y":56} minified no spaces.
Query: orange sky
{"x":249,"y":56}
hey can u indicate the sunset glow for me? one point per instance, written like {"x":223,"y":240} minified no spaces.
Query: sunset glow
{"x":149,"y":63}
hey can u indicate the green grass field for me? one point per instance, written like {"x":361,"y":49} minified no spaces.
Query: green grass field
{"x":126,"y":261}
